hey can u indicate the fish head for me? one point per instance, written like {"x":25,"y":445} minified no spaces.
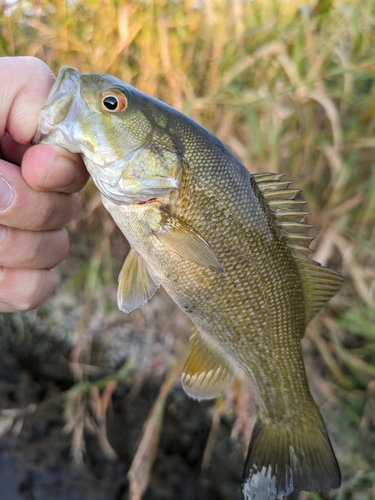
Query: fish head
{"x":111,"y":125}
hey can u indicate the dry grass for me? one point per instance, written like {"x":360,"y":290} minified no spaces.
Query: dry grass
{"x":289,"y":89}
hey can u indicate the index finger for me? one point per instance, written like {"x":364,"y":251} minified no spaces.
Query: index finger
{"x":24,"y":88}
{"x":25,"y":85}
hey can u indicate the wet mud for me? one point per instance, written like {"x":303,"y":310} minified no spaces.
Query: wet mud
{"x":35,"y":460}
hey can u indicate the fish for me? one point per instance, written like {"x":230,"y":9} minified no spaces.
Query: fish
{"x":230,"y":247}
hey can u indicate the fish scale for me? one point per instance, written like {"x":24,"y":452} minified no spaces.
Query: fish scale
{"x":229,"y":247}
{"x":239,"y":271}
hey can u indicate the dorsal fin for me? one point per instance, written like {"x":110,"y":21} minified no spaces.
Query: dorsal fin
{"x":319,"y":283}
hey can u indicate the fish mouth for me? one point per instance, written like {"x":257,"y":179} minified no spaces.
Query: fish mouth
{"x":66,"y":80}
{"x":60,"y":103}
{"x":61,"y":95}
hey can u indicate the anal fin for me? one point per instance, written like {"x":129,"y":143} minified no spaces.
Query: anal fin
{"x":207,"y":370}
{"x":136,"y":283}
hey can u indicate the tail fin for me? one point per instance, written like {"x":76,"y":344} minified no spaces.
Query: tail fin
{"x":283,"y":458}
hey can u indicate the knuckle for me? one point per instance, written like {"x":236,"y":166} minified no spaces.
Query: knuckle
{"x":51,"y":213}
{"x":34,"y":249}
{"x":59,"y":210}
{"x":42,"y":288}
{"x":34,"y":66}
{"x":51,"y":248}
{"x":24,"y":290}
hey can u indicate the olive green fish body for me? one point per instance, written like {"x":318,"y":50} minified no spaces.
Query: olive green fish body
{"x":242,"y":306}
{"x":229,"y":247}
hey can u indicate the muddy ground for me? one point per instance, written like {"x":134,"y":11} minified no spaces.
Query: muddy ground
{"x":36,"y":464}
{"x":35,"y":368}
{"x":35,"y":461}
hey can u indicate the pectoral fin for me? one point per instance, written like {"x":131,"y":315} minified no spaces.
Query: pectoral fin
{"x":207,"y":370}
{"x":181,"y":238}
{"x":136,"y":283}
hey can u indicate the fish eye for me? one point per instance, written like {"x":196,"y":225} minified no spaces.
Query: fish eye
{"x":113,"y":101}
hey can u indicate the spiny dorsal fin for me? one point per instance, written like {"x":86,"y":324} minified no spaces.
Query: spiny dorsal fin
{"x":290,"y":218}
{"x":207,"y":370}
{"x":264,"y":176}
{"x":319,"y":283}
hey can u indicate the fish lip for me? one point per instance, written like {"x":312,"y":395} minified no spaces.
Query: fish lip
{"x":66,"y":80}
{"x":56,"y":109}
{"x":64,"y":88}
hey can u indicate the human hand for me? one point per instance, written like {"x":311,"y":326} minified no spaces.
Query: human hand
{"x":37,"y":200}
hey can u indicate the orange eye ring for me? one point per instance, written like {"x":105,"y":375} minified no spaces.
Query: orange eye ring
{"x":113,"y":101}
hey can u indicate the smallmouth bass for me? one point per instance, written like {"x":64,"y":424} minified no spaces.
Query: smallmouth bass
{"x":230,"y":248}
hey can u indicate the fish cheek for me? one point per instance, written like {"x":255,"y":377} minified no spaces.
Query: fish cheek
{"x":57,"y":111}
{"x":151,"y":174}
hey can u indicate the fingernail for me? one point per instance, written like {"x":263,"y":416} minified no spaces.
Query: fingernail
{"x":3,"y":233}
{"x":60,"y":174}
{"x":7,"y":194}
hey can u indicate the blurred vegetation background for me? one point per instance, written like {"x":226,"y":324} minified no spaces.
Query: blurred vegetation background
{"x":289,"y":87}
